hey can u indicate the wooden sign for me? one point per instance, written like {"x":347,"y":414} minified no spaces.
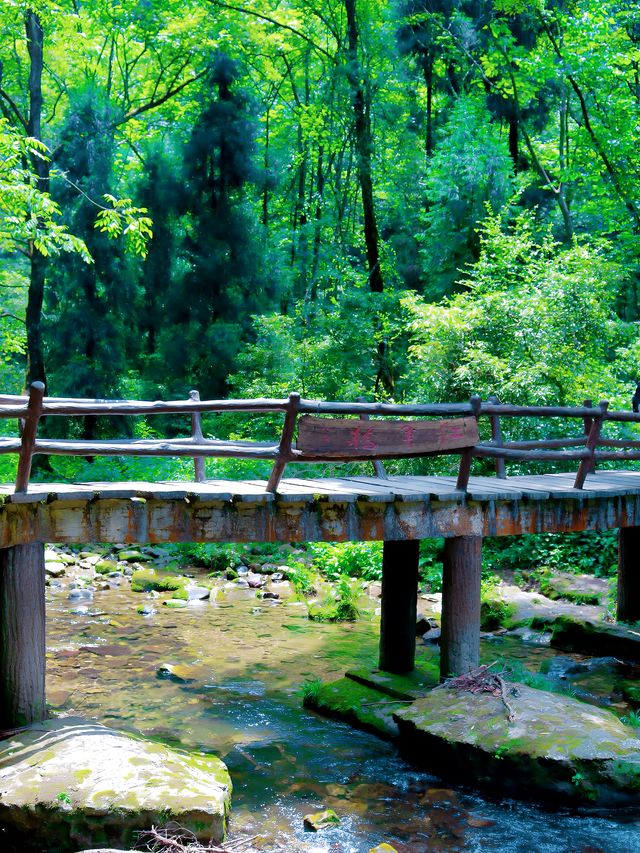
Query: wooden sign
{"x":347,"y":438}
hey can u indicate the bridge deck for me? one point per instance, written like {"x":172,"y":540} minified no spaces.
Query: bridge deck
{"x":348,"y":508}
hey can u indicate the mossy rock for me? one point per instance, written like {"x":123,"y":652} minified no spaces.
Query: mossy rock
{"x":363,"y":707}
{"x":131,"y":556}
{"x":69,"y":785}
{"x":148,"y":580}
{"x":590,"y":638}
{"x":366,"y":698}
{"x":630,"y":691}
{"x":103,"y":567}
{"x":555,"y":748}
{"x":496,"y":613}
{"x":579,"y":589}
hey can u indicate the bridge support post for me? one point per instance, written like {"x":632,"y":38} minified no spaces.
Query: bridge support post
{"x":399,"y":605}
{"x":22,"y":635}
{"x":628,"y":609}
{"x":460,"y":636}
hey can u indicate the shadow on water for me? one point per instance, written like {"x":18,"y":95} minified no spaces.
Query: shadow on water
{"x":234,"y":688}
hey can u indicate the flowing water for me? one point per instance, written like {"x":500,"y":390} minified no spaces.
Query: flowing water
{"x":239,"y":664}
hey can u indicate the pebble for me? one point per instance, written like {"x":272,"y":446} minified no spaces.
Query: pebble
{"x":80,"y":595}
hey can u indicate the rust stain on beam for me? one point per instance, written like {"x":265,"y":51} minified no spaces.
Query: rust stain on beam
{"x":193,"y":520}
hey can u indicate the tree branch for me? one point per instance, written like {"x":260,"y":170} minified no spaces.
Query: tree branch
{"x":14,"y":107}
{"x":276,"y":23}
{"x":156,"y":102}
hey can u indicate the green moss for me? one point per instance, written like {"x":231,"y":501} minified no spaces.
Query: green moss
{"x":361,"y":706}
{"x":103,"y":567}
{"x":147,"y":580}
{"x":496,"y":613}
{"x":181,"y":594}
{"x":81,"y":775}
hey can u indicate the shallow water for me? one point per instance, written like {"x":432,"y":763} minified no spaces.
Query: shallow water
{"x":243,"y":662}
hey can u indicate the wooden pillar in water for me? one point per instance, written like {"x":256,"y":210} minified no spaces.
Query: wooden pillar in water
{"x":22,"y":635}
{"x":399,"y":604}
{"x":460,"y":635}
{"x":628,"y":609}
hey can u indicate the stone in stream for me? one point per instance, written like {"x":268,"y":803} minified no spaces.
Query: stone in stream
{"x":55,"y":570}
{"x":130,"y":556}
{"x":555,"y":748}
{"x":197,"y":593}
{"x":596,"y":638}
{"x":320,"y":820}
{"x":69,"y":784}
{"x":103,"y":567}
{"x":80,"y":595}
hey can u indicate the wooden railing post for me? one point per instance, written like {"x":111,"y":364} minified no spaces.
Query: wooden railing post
{"x":29,"y":430}
{"x":467,"y":455}
{"x":496,"y":435}
{"x":196,"y":433}
{"x":378,"y":467}
{"x":284,"y":449}
{"x":588,"y":423}
{"x":588,"y":464}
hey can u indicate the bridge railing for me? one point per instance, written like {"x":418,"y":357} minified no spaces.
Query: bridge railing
{"x":325,"y":439}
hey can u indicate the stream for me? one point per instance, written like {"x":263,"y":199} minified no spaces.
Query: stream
{"x":235,"y":689}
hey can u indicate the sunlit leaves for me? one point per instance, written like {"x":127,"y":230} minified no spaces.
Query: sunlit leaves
{"x":29,"y":218}
{"x":123,"y":218}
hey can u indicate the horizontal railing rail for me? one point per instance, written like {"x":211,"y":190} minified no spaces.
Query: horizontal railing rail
{"x":587,"y":448}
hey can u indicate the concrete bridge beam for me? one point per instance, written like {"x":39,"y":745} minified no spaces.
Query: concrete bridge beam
{"x":460,"y":637}
{"x":22,"y":636}
{"x":628,"y":574}
{"x":399,"y":605}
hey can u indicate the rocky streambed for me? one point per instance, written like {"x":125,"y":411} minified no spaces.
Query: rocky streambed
{"x":222,"y":675}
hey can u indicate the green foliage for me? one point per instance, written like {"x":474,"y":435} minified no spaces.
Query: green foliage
{"x":535,"y":324}
{"x":430,"y":563}
{"x":28,"y":215}
{"x":122,"y":218}
{"x":147,"y":580}
{"x":631,"y":719}
{"x":302,"y":578}
{"x":470,"y":169}
{"x":495,"y":612}
{"x":340,"y":605}
{"x":347,"y":559}
{"x":589,"y":552}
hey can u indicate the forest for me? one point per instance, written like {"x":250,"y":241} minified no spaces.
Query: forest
{"x":414,"y":200}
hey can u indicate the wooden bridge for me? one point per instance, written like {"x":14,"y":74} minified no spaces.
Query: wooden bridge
{"x":399,"y":510}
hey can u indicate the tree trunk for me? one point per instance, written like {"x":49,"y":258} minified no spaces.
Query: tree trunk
{"x":22,"y":636}
{"x":460,"y":637}
{"x":35,"y":349}
{"x":399,"y":604}
{"x":364,"y":146}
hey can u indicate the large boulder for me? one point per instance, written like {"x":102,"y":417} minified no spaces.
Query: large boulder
{"x":555,"y":748}
{"x":68,"y":784}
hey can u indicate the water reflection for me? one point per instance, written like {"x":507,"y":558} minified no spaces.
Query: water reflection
{"x":231,"y":685}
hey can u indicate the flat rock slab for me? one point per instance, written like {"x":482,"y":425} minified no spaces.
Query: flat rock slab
{"x":68,"y":784}
{"x":596,"y":638}
{"x":556,"y":747}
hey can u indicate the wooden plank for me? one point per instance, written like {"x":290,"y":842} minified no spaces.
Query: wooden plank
{"x":400,"y":486}
{"x":310,"y":490}
{"x":242,"y":490}
{"x":438,"y":488}
{"x":554,"y":487}
{"x":628,"y":479}
{"x":347,"y":438}
{"x":488,"y":489}
{"x":379,"y":490}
